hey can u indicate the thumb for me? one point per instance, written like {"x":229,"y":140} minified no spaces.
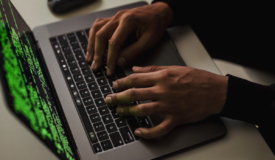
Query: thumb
{"x":151,"y":68}
{"x":157,"y":131}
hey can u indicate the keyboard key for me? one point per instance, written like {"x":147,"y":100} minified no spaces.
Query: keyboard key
{"x":83,"y":64}
{"x":72,"y":63}
{"x":69,"y":56}
{"x":71,"y":37}
{"x":86,"y":71}
{"x":95,"y":117}
{"x":79,"y":56}
{"x":126,"y":135}
{"x":105,"y":89}
{"x":99,"y":126}
{"x":144,"y":122}
{"x":115,"y":115}
{"x":116,"y":139}
{"x":89,"y":78}
{"x":113,"y":107}
{"x":77,"y":101}
{"x":62,"y":39}
{"x":111,"y":81}
{"x":92,"y":86}
{"x":91,"y":109}
{"x":69,"y":79}
{"x":81,"y":85}
{"x":103,"y":110}
{"x":111,"y":127}
{"x":102,"y":81}
{"x":81,"y":36}
{"x":74,"y":43}
{"x":72,"y":86}
{"x":97,"y":148}
{"x":121,"y":122}
{"x":106,"y":145}
{"x":88,"y":101}
{"x":78,"y":77}
{"x":84,"y":45}
{"x":96,"y":94}
{"x":104,"y":68}
{"x":98,"y":74}
{"x":100,"y":102}
{"x":66,"y":49}
{"x":102,"y":135}
{"x":84,"y":93}
{"x":107,"y":119}
{"x":133,"y":124}
{"x":75,"y":70}
{"x":75,"y":94}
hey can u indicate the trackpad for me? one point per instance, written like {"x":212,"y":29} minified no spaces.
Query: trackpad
{"x":163,"y":54}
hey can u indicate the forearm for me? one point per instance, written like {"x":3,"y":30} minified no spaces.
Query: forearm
{"x":249,"y":102}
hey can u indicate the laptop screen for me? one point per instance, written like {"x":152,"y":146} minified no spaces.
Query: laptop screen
{"x":25,"y":84}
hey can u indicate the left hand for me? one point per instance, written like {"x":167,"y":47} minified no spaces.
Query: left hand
{"x":181,"y":94}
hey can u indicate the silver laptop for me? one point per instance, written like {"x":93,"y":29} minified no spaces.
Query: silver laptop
{"x":49,"y":86}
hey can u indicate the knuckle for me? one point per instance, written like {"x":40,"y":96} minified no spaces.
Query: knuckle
{"x":99,"y":35}
{"x":131,"y":93}
{"x":151,"y":68}
{"x":121,"y":12}
{"x":165,"y":74}
{"x":133,"y":78}
{"x":112,"y":43}
{"x":128,"y":16}
{"x":98,"y":20}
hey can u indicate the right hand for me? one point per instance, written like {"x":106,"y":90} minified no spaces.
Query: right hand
{"x":148,"y":22}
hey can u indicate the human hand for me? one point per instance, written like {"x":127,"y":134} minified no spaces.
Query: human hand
{"x":181,"y":94}
{"x":148,"y":22}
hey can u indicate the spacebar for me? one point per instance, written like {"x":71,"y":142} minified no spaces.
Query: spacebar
{"x":87,"y":124}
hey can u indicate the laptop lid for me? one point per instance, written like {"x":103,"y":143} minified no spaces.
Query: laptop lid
{"x":27,"y":88}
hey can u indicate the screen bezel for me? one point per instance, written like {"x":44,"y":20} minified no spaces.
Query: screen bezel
{"x":9,"y":98}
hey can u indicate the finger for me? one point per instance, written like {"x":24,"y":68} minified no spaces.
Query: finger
{"x":136,"y":80}
{"x":140,"y":110}
{"x":131,"y":95}
{"x":115,"y":43}
{"x":133,"y":51}
{"x":101,"y":42}
{"x":163,"y":128}
{"x":137,"y":69}
{"x":99,"y":23}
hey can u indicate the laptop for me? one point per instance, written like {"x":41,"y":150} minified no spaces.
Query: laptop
{"x":49,"y":86}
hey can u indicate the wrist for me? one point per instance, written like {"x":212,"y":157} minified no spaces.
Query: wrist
{"x":223,"y":83}
{"x":165,"y":12}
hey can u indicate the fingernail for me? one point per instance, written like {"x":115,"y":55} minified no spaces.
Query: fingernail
{"x":109,"y":100}
{"x":115,"y":85}
{"x":87,"y":55}
{"x":93,"y":65}
{"x":138,"y":133}
{"x":120,"y":110}
{"x":121,"y":61}
{"x":108,"y":72}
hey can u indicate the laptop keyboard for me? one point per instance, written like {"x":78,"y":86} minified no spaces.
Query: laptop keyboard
{"x":104,"y":127}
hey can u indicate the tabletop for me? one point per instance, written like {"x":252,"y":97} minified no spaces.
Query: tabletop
{"x":242,"y":141}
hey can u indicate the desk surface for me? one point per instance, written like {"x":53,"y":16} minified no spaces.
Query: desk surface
{"x":242,"y":141}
